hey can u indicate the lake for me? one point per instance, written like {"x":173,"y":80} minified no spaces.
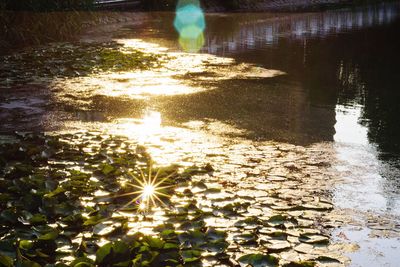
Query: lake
{"x":310,"y":96}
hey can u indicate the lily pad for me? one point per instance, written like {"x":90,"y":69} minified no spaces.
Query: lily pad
{"x":314,"y":239}
{"x":258,"y":260}
{"x":190,"y":255}
{"x":112,"y":253}
{"x":327,"y":259}
{"x":300,"y":264}
{"x":277,"y":245}
{"x":6,"y":261}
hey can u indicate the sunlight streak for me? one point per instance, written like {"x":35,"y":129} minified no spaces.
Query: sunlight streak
{"x":148,"y":193}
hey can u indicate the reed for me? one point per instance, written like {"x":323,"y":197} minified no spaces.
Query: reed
{"x":24,"y":28}
{"x":46,"y":5}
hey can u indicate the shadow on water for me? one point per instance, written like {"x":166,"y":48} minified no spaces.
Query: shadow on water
{"x":271,"y":109}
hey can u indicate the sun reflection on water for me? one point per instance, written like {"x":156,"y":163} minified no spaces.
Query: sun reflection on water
{"x":151,"y":122}
{"x":179,"y":73}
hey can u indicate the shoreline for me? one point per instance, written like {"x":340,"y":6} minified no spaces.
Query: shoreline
{"x":290,"y":6}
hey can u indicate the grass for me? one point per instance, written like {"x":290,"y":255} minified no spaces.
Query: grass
{"x":46,"y":5}
{"x":31,"y":28}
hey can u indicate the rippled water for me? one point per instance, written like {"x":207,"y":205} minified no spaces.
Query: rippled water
{"x":308,"y":96}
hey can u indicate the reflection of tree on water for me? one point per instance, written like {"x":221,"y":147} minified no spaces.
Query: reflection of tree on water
{"x":370,"y":80}
{"x":334,"y":67}
{"x":250,"y":31}
{"x":359,"y":72}
{"x":343,"y":58}
{"x":315,"y":50}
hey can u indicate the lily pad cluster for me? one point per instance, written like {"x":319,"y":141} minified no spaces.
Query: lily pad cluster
{"x":66,"y":200}
{"x":258,"y":233}
{"x":61,"y":194}
{"x":58,"y":60}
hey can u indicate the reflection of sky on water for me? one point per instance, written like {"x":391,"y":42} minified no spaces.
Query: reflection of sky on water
{"x":381,"y":252}
{"x":366,"y":185}
{"x":259,"y":32}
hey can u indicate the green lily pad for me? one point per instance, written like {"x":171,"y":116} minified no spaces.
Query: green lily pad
{"x":314,"y":239}
{"x":320,"y":206}
{"x":258,"y":260}
{"x":106,"y":169}
{"x":26,"y":244}
{"x":250,"y":221}
{"x":246,"y":238}
{"x":9,"y":216}
{"x":154,"y":242}
{"x":112,"y":253}
{"x":171,"y":246}
{"x":38,"y":219}
{"x":49,"y":236}
{"x":168,"y":234}
{"x":300,"y":264}
{"x":277,"y":220}
{"x":190,"y":255}
{"x":215,"y":235}
{"x":327,"y":259}
{"x":55,"y":192}
{"x":195,"y":238}
{"x":82,"y":261}
{"x":6,"y":261}
{"x":216,"y":246}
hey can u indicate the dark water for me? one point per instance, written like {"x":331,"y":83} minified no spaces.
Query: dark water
{"x":341,"y":85}
{"x":346,"y":57}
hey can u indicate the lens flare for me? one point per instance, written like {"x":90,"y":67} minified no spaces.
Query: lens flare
{"x":192,"y":45}
{"x":190,"y":24}
{"x":149,"y":190}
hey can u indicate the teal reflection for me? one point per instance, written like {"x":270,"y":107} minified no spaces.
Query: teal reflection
{"x":190,"y":24}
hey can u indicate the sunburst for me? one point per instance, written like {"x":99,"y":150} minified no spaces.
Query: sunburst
{"x":148,"y":190}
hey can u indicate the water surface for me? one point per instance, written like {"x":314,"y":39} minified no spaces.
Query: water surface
{"x":308,"y":96}
{"x":340,"y":86}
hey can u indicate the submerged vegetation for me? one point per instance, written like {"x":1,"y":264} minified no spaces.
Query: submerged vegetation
{"x":71,"y":60}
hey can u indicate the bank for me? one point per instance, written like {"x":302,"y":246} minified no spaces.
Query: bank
{"x":169,"y":5}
